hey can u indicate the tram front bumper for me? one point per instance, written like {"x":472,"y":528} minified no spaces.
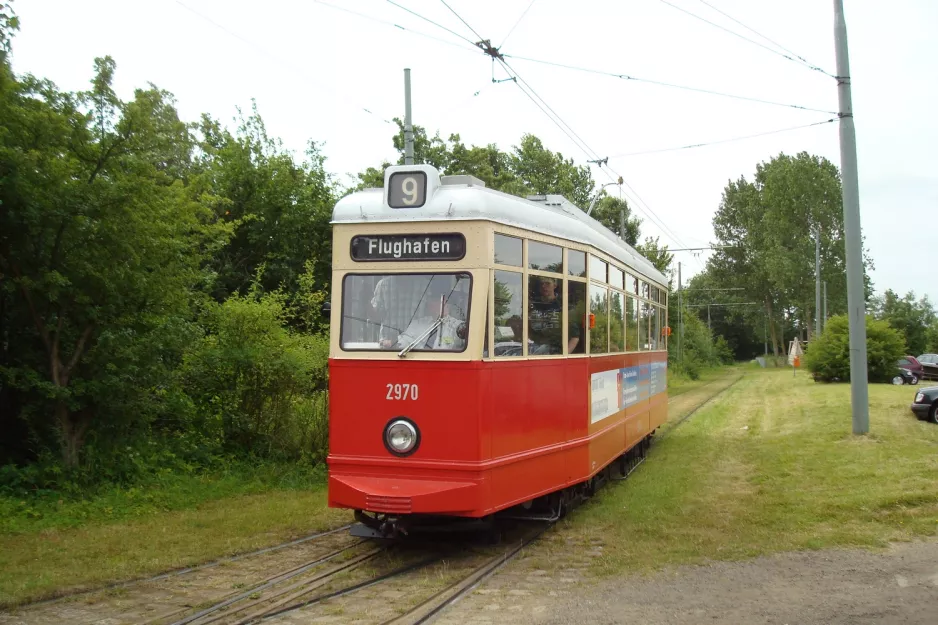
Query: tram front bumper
{"x":400,"y":496}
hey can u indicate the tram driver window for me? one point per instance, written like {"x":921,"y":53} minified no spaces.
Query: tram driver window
{"x":394,"y":311}
{"x":545,"y":316}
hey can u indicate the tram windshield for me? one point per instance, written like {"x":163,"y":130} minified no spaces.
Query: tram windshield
{"x":392,"y":312}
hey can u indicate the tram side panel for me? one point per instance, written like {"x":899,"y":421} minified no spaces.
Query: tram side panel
{"x":533,"y":414}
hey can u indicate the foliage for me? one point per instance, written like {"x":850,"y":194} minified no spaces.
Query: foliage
{"x":767,"y":227}
{"x":828,"y":358}
{"x":697,"y":349}
{"x":910,"y":317}
{"x":657,"y":254}
{"x":256,"y":385}
{"x":529,"y":169}
{"x":99,"y":246}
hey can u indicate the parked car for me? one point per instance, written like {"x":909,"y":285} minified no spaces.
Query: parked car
{"x":904,"y":376}
{"x":929,"y":364}
{"x":925,"y":405}
{"x":913,"y":365}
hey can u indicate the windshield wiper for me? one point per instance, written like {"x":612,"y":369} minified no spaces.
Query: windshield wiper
{"x":436,"y":324}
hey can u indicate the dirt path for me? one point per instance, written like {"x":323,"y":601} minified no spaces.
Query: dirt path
{"x":897,"y":586}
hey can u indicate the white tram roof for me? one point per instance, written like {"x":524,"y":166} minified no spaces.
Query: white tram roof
{"x":465,"y":198}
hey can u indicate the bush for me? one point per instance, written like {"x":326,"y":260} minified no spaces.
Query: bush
{"x":828,"y":358}
{"x":257,"y":386}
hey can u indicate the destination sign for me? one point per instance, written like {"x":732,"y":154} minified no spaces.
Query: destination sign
{"x":391,"y":247}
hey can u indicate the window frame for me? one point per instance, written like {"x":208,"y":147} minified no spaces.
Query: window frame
{"x":367,"y":274}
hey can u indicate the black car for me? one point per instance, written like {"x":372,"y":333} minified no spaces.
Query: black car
{"x":929,"y":364}
{"x":925,"y":405}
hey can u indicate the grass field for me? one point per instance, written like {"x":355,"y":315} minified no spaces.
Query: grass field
{"x":121,"y":535}
{"x":770,"y":465}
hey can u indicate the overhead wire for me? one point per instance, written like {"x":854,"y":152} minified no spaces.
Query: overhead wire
{"x":736,"y":34}
{"x":265,"y":52}
{"x":427,"y":19}
{"x":774,"y":43}
{"x":591,"y":154}
{"x":667,"y":84}
{"x":393,"y":24}
{"x":717,"y":142}
{"x":462,"y":20}
{"x":505,"y":40}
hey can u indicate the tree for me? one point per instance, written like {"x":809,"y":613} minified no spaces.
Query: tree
{"x":910,"y":317}
{"x":99,"y":244}
{"x":279,"y":210}
{"x":657,"y":254}
{"x":767,"y":226}
{"x":616,"y":214}
{"x":529,"y":169}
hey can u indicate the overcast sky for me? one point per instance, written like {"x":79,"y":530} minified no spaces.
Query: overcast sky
{"x":315,"y":70}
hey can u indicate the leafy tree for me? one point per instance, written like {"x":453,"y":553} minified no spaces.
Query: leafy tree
{"x":767,"y":226}
{"x":828,"y":358}
{"x":910,"y":317}
{"x":279,"y":210}
{"x":99,"y":245}
{"x":616,"y":214}
{"x":529,"y":169}
{"x":657,"y":254}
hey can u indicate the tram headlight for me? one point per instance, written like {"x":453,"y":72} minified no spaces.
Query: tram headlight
{"x":401,"y":437}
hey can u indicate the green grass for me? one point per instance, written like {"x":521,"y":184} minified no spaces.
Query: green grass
{"x":771,"y":465}
{"x":50,"y":546}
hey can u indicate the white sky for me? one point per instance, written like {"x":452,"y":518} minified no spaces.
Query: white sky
{"x":313,"y":69}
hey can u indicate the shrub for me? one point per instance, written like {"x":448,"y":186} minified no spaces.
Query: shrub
{"x":828,"y":357}
{"x":257,"y":385}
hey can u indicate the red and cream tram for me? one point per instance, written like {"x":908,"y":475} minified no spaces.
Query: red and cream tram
{"x":487,"y":352}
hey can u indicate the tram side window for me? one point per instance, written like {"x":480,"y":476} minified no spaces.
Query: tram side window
{"x":615,"y":276}
{"x":599,"y":322}
{"x":507,"y":250}
{"x":597,"y":269}
{"x":508,"y":308}
{"x":631,"y":284}
{"x":631,"y":324}
{"x":643,"y":327}
{"x":544,"y":257}
{"x":545,"y":316}
{"x":616,"y":322}
{"x":655,"y":327}
{"x":576,"y":263}
{"x":662,"y":319}
{"x":576,"y":317}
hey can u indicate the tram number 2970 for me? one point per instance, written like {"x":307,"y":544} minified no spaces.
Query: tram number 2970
{"x":402,"y":391}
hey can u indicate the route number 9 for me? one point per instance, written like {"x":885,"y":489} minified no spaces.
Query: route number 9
{"x":407,"y":189}
{"x":402,"y":392}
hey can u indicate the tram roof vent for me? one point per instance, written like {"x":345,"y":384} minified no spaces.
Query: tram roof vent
{"x":461,"y":179}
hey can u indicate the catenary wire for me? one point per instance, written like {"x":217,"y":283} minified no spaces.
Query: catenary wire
{"x":667,"y":84}
{"x":427,"y":19}
{"x":709,"y":143}
{"x":453,"y":11}
{"x":774,"y":43}
{"x":736,"y":34}
{"x":393,"y":24}
{"x":530,"y":4}
{"x":265,"y":52}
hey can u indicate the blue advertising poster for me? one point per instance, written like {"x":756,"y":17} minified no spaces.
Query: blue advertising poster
{"x":617,"y":389}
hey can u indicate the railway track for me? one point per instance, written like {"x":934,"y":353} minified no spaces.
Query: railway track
{"x":392,"y":584}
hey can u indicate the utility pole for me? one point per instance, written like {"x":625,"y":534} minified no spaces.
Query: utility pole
{"x":408,"y":127}
{"x":680,"y":317}
{"x":622,"y":223}
{"x":856,"y":313}
{"x":825,"y":306}
{"x":765,"y":335}
{"x":709,"y":327}
{"x":817,"y":281}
